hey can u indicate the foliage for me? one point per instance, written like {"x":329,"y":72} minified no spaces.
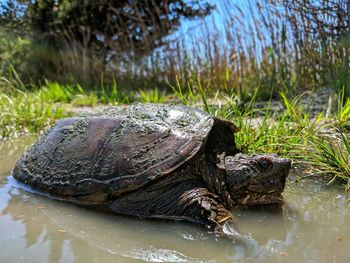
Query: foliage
{"x":152,"y":95}
{"x":272,"y":45}
{"x":13,"y":50}
{"x":26,"y":112}
{"x":127,"y":25}
{"x":83,"y":38}
{"x":31,"y":111}
{"x":331,"y":157}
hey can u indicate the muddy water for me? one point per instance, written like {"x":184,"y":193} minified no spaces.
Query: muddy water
{"x":314,"y":226}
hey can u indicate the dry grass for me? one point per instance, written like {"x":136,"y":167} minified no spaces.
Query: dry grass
{"x":270,"y":44}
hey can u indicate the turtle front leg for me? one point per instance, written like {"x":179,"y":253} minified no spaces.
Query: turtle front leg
{"x":178,"y":199}
{"x":213,"y":214}
{"x":205,"y":207}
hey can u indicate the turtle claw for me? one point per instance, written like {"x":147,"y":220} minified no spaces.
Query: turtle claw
{"x":228,"y":230}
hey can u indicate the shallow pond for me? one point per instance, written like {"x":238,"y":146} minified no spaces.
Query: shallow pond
{"x":313,"y":226}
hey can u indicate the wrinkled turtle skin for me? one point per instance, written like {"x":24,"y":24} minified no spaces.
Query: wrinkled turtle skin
{"x":153,"y":161}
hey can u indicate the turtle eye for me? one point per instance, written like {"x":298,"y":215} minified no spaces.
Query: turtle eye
{"x":265,"y":163}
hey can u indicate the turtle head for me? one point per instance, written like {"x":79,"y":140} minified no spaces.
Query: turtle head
{"x":253,"y":179}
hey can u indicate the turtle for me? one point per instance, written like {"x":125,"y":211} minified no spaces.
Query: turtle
{"x":157,"y":161}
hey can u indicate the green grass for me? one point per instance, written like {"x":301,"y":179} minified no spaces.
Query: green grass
{"x":291,"y":133}
{"x":81,"y":100}
{"x":30,"y":109}
{"x":152,"y":95}
{"x":26,"y":112}
{"x":331,"y":157}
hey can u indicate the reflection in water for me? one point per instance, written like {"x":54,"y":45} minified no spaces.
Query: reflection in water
{"x":57,"y":224}
{"x":311,"y":227}
{"x":10,"y":151}
{"x":20,"y":211}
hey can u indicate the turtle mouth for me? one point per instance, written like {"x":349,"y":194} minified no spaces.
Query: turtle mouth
{"x":258,"y":199}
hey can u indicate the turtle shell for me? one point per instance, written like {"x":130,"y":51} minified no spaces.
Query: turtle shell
{"x":107,"y":153}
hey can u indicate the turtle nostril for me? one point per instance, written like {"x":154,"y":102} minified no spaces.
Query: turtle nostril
{"x":287,"y":163}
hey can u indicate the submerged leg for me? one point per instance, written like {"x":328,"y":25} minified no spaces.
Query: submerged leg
{"x":177,"y":198}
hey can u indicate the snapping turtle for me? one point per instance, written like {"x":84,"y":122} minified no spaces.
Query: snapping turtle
{"x":153,"y":161}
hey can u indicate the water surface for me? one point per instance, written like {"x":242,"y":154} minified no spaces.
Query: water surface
{"x":313,"y":226}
